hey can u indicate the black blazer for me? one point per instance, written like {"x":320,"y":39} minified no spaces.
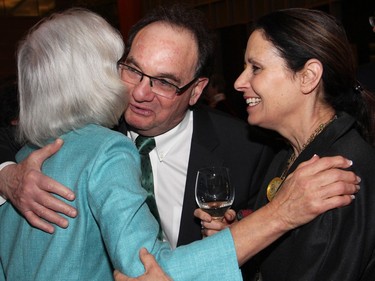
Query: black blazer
{"x":8,"y":145}
{"x":221,"y":140}
{"x":338,"y":245}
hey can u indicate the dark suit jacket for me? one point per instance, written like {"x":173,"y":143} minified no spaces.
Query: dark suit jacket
{"x":338,"y":245}
{"x":221,"y":140}
{"x":8,"y":145}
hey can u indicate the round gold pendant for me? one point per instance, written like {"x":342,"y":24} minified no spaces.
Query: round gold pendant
{"x":273,"y":187}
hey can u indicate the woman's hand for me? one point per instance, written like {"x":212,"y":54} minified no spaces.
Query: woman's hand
{"x":153,"y":271}
{"x":316,"y":186}
{"x":211,"y":226}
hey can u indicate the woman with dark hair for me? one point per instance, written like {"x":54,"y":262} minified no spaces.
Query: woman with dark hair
{"x":300,"y":81}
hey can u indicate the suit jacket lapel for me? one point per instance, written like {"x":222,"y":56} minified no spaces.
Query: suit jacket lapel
{"x":122,"y":128}
{"x":204,"y":143}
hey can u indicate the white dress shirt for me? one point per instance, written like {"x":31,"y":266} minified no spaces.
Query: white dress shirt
{"x":169,"y":162}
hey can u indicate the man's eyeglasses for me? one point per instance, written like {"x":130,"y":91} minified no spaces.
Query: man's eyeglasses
{"x":158,"y":86}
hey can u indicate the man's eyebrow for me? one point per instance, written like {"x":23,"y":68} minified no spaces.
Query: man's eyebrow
{"x":166,"y":75}
{"x":130,"y":60}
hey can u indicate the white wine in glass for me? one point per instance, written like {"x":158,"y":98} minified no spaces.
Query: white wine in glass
{"x":213,"y":191}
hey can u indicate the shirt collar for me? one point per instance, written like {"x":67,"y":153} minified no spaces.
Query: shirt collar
{"x":165,"y":142}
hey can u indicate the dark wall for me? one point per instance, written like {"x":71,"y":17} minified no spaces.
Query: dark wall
{"x":356,"y":23}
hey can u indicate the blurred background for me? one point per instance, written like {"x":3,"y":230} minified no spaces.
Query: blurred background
{"x":230,"y":20}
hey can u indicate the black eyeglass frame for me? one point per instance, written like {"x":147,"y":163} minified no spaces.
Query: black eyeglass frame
{"x":179,"y":90}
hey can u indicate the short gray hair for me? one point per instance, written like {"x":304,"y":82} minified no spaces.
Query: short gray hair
{"x":68,"y":77}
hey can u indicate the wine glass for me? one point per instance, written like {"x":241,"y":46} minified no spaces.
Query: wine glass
{"x":213,"y":191}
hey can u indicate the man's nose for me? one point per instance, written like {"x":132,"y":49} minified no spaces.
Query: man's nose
{"x":143,"y":90}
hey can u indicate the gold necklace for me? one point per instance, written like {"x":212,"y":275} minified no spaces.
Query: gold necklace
{"x":275,"y":184}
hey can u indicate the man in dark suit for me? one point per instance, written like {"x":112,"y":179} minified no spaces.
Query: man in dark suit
{"x":8,"y":120}
{"x":187,"y":137}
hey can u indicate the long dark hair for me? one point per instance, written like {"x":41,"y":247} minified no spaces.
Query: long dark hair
{"x":302,"y":34}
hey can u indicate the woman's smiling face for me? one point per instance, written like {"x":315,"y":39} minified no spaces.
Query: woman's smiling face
{"x":270,"y":89}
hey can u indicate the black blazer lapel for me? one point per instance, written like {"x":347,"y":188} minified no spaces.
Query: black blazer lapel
{"x":204,"y":142}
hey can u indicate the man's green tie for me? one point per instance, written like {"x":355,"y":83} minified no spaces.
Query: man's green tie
{"x":145,"y":145}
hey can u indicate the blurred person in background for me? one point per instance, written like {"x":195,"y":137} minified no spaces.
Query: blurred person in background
{"x":366,"y":72}
{"x":8,"y":120}
{"x":214,"y":95}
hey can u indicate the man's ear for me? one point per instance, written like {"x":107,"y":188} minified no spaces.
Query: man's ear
{"x":310,"y":75}
{"x":198,"y":90}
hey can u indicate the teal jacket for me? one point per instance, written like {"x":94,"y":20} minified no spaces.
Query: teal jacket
{"x":102,"y":167}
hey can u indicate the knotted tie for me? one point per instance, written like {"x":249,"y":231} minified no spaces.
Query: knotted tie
{"x":145,"y":145}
